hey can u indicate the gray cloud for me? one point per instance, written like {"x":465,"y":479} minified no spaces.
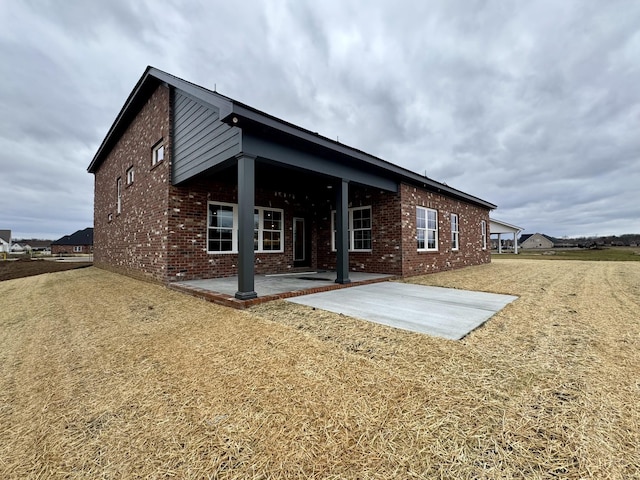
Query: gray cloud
{"x":533,"y":106}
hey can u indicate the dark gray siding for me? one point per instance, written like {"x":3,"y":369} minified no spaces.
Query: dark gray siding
{"x":200,"y":139}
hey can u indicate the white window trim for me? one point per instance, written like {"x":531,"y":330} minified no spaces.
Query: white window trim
{"x":77,"y":249}
{"x":119,"y":195}
{"x":154,"y":154}
{"x":483,"y":232}
{"x":427,"y":229}
{"x":234,"y":228}
{"x":455,"y":233}
{"x":234,"y":231}
{"x":261,"y":230}
{"x":350,"y":229}
{"x":130,"y":175}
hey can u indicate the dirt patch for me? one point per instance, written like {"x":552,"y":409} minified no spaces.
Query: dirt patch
{"x":11,"y":269}
{"x":104,"y":376}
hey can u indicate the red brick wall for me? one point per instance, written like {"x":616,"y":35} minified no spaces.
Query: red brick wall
{"x":161,"y":233}
{"x":64,"y":249}
{"x":386,"y":248}
{"x":188,"y":257}
{"x":135,"y":241}
{"x":469,"y":218}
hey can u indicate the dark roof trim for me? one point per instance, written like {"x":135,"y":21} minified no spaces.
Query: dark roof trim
{"x":229,"y":108}
{"x":243,"y":111}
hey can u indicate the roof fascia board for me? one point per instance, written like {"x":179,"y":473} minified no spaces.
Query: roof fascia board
{"x":286,"y":155}
{"x":249,"y":113}
{"x":150,"y":75}
{"x":505,"y":225}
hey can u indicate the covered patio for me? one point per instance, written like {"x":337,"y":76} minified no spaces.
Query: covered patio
{"x":499,"y":228}
{"x":273,"y":287}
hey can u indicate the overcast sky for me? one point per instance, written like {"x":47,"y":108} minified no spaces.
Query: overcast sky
{"x":531,"y":105}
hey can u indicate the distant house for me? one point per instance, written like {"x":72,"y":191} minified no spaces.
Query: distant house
{"x":78,"y":242}
{"x":190,"y":184}
{"x":5,"y":241}
{"x":537,"y":240}
{"x":35,"y":245}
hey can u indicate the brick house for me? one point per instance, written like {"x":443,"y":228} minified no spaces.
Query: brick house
{"x":80,"y":242}
{"x":190,"y":184}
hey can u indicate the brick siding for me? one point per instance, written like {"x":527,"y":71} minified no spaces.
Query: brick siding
{"x":135,"y":241}
{"x":470,"y":250}
{"x":69,"y":249}
{"x":161,"y":232}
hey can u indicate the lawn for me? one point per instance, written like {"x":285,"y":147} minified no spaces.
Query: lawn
{"x":608,"y":254}
{"x":103,"y":376}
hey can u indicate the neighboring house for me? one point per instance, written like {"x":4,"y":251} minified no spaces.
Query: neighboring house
{"x":35,"y":245}
{"x":536,"y":240}
{"x":191,"y":184}
{"x":78,"y":242}
{"x":17,"y":248}
{"x":5,"y":241}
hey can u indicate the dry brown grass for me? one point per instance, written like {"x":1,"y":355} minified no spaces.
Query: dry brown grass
{"x":102,"y":376}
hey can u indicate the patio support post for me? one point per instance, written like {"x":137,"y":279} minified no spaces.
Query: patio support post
{"x":246,"y":207}
{"x":499,"y":244}
{"x":342,"y":232}
{"x":515,"y":241}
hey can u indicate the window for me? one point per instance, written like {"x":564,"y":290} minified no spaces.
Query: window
{"x":119,"y":199}
{"x":427,"y":229}
{"x":455,"y":232}
{"x":359,"y":229}
{"x":221,"y":232}
{"x":130,"y":176}
{"x":483,"y":232}
{"x":269,"y":229}
{"x":268,"y":224}
{"x":158,"y":154}
{"x":77,"y":249}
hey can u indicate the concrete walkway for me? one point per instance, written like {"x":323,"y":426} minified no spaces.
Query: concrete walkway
{"x":442,"y":312}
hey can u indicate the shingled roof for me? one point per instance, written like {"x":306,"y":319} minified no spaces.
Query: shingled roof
{"x":81,"y":237}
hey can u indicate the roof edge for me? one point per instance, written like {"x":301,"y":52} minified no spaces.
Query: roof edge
{"x":230,"y":108}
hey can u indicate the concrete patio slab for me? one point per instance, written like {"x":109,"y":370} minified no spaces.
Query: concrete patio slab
{"x":266,"y":285}
{"x":442,"y":312}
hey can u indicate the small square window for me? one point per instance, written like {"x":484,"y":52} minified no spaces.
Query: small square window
{"x":130,"y":175}
{"x":158,"y":154}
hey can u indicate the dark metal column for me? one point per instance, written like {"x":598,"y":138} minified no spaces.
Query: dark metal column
{"x":342,"y":233}
{"x":246,"y":207}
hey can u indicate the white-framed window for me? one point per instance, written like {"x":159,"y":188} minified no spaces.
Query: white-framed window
{"x":130,"y":175}
{"x":268,"y":229}
{"x":157,"y":155}
{"x":77,"y":249}
{"x":359,"y":229}
{"x":222,"y":221}
{"x":483,"y":233}
{"x":222,"y":228}
{"x":427,"y":229}
{"x":119,"y":195}
{"x":455,"y":232}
